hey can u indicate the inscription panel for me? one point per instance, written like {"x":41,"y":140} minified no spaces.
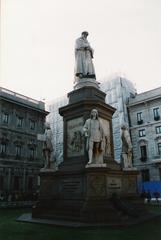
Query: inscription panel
{"x":71,"y":187}
{"x":114,"y":185}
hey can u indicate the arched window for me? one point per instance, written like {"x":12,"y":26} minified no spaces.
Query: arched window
{"x":4,"y":146}
{"x":158,"y":146}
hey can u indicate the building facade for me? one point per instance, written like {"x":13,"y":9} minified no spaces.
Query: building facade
{"x":21,"y":119}
{"x":145,"y":127}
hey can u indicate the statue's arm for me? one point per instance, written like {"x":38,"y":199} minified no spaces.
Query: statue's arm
{"x":86,"y":128}
{"x":50,"y":134}
{"x":128,"y":139}
{"x":82,"y":45}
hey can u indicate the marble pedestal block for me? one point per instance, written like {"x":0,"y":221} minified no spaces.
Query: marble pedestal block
{"x":85,"y":195}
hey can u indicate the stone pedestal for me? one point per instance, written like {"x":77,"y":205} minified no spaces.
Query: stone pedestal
{"x":77,"y":191}
{"x":87,"y":82}
{"x":84,"y":195}
{"x":81,"y":102}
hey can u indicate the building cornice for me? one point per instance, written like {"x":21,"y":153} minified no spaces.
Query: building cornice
{"x":21,"y":100}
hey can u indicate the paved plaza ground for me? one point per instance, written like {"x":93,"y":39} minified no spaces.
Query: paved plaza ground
{"x":10,"y":229}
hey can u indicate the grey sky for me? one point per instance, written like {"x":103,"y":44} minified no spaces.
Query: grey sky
{"x":38,"y":39}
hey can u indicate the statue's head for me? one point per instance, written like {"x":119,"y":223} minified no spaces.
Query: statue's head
{"x":47,"y":125}
{"x":94,"y":114}
{"x":124,"y":126}
{"x":85,"y":33}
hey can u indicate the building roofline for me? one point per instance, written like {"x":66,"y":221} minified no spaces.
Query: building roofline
{"x":154,"y":89}
{"x":144,"y":97}
{"x":22,"y":100}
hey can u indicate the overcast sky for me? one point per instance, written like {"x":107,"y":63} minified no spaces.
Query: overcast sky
{"x":38,"y":38}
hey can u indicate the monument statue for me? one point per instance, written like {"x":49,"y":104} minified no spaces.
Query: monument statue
{"x":93,"y":131}
{"x":47,"y":146}
{"x":83,"y":58}
{"x":126,"y":147}
{"x":91,"y":189}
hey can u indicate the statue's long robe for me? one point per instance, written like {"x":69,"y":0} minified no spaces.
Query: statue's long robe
{"x":83,"y":58}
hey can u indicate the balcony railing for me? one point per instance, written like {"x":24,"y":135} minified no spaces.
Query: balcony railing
{"x":143,"y":159}
{"x":13,"y":158}
{"x":140,"y":122}
{"x":157,"y":157}
{"x":157,"y":118}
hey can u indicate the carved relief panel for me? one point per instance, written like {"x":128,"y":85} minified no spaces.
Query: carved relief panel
{"x":75,"y":139}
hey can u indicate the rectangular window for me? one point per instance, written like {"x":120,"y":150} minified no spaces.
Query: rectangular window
{"x":139,"y":118}
{"x":142,"y":133}
{"x":32,"y":153}
{"x":30,"y":183}
{"x":1,"y":183}
{"x":158,"y":129}
{"x":145,"y":175}
{"x":156,"y":114}
{"x":3,"y":148}
{"x":16,"y":185}
{"x":5,"y":118}
{"x":143,"y":153}
{"x":32,"y":124}
{"x":18,"y":151}
{"x":160,"y":173}
{"x":19,"y":122}
{"x":159,"y":148}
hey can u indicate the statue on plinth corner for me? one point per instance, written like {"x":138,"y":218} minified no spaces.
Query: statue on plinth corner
{"x":94,"y":133}
{"x":48,"y":149}
{"x":126,"y":154}
{"x":84,"y":69}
